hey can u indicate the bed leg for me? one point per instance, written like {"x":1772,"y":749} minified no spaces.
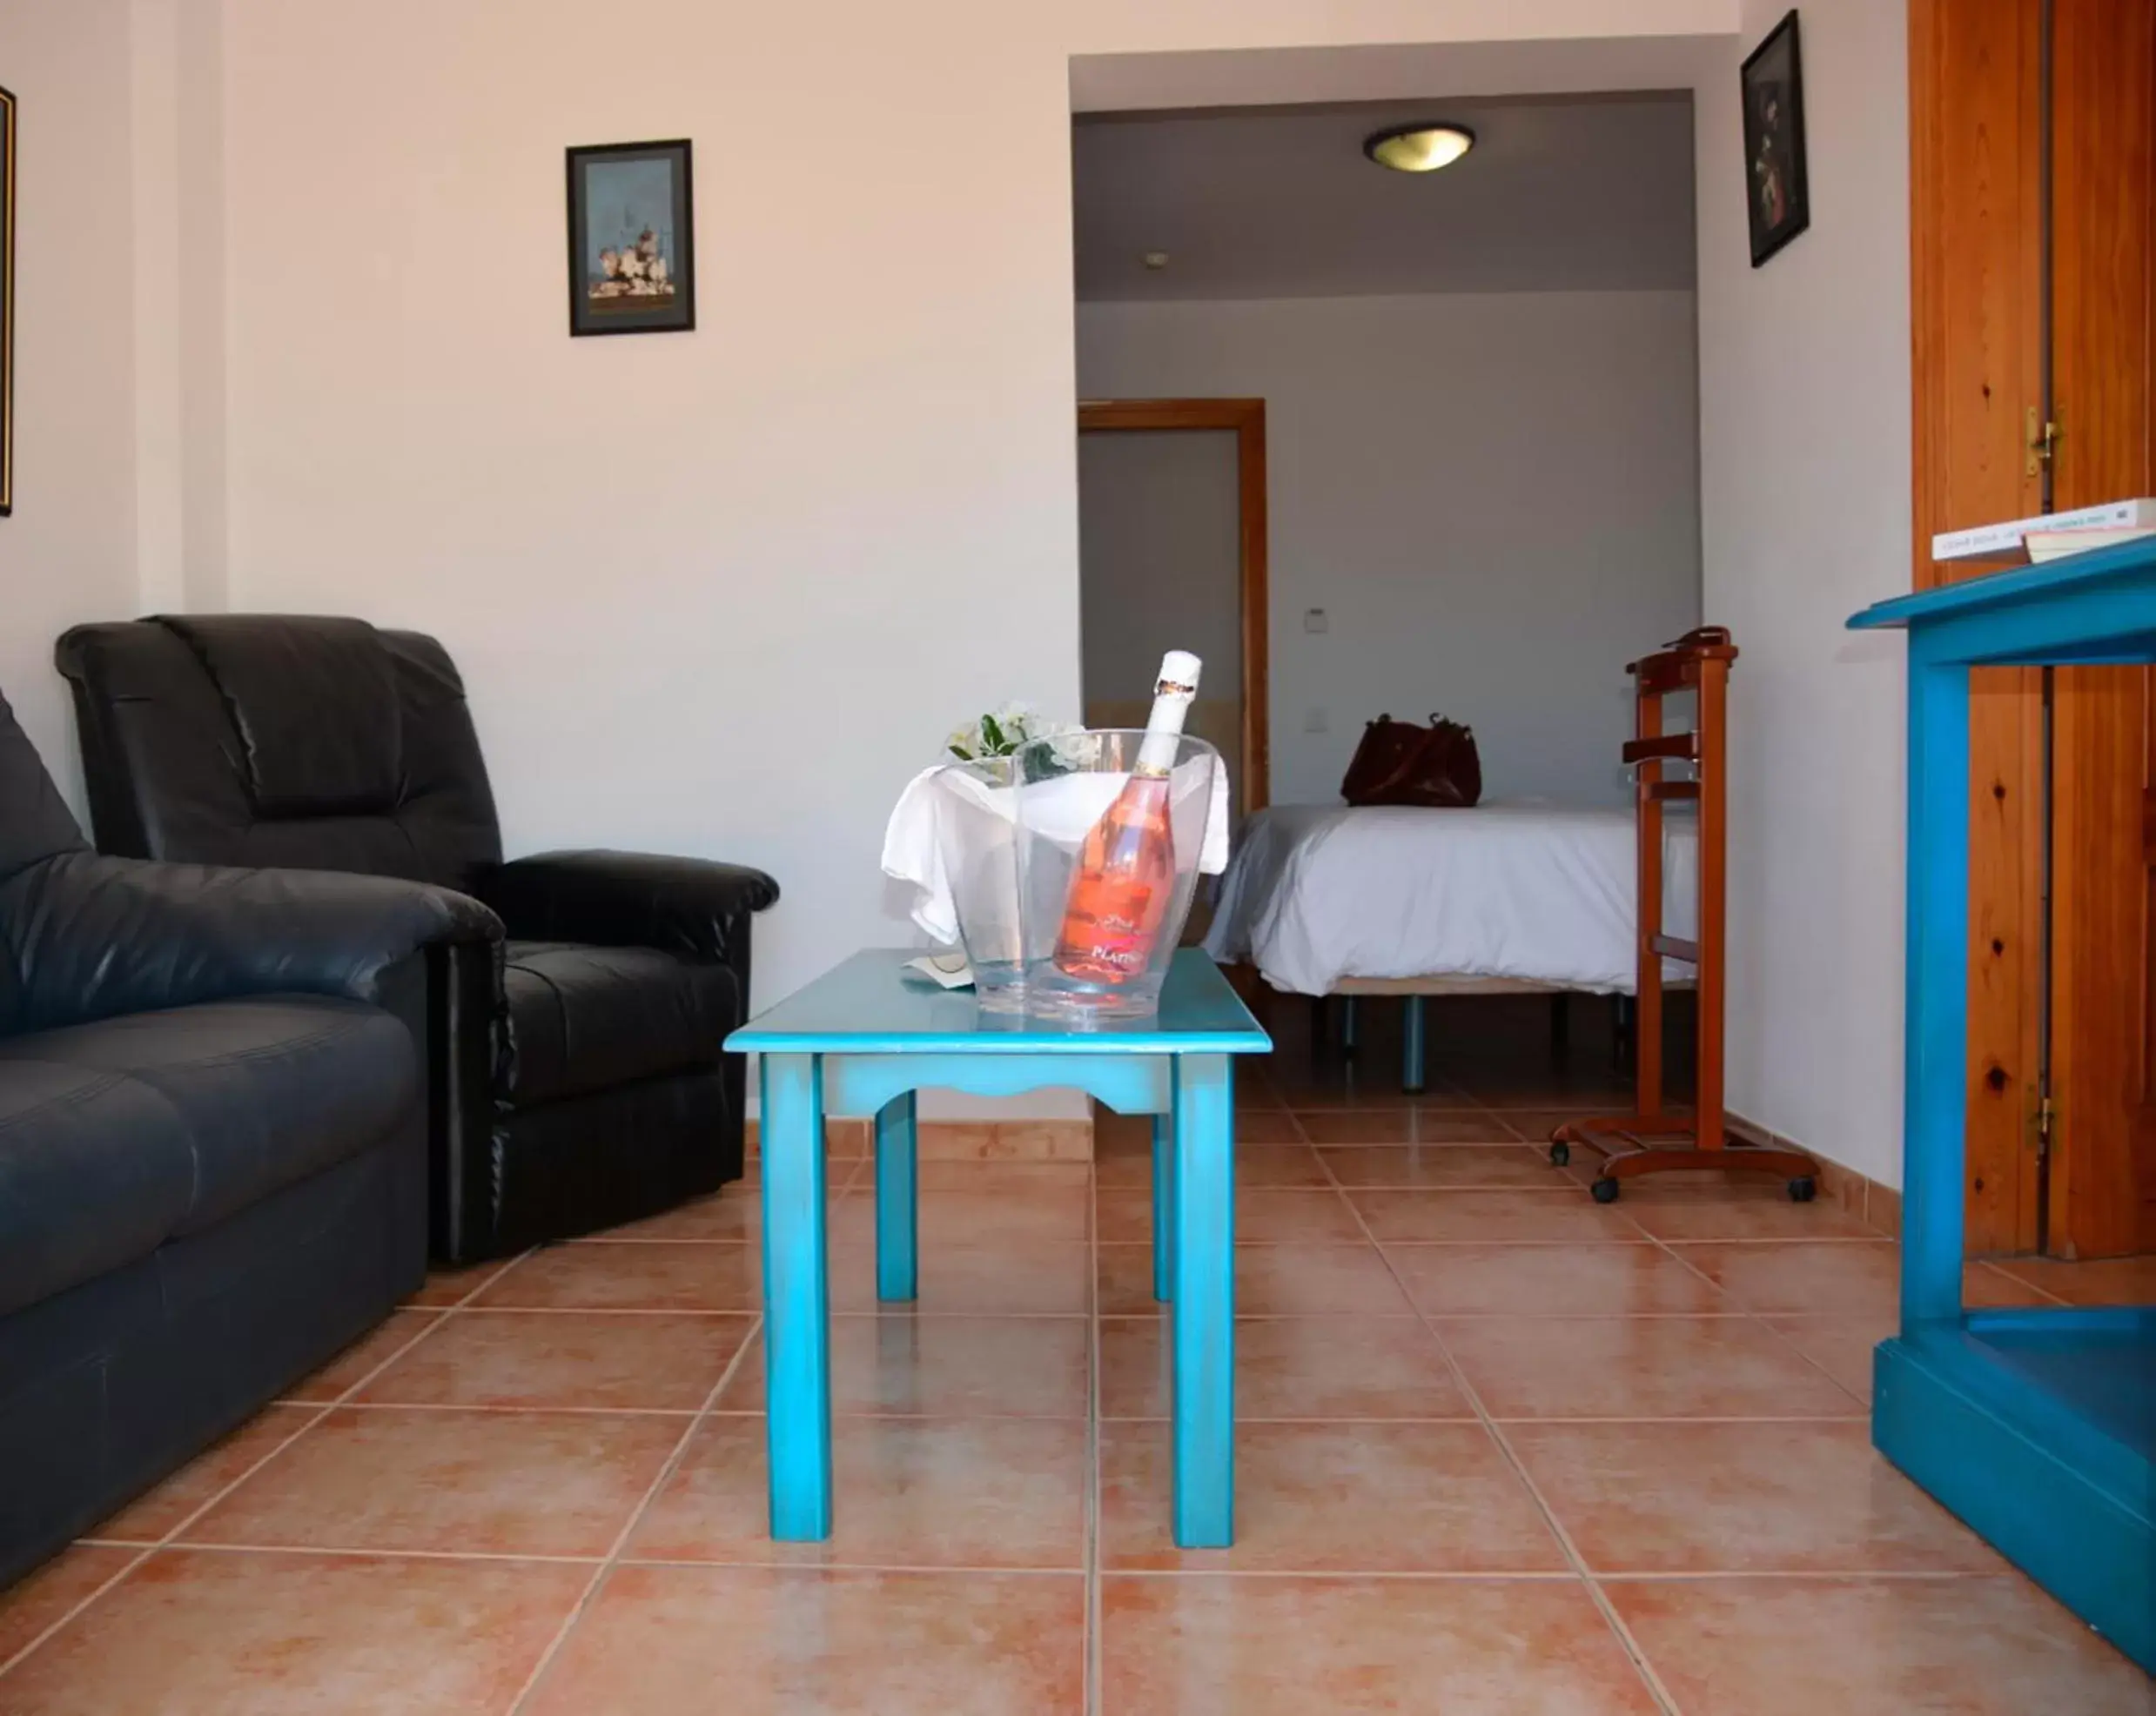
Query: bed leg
{"x":1560,"y":1026}
{"x":1621,"y":1042}
{"x":1347,"y":1026}
{"x":1411,"y":1046}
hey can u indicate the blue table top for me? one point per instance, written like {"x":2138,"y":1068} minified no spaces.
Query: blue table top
{"x":870,"y":1004}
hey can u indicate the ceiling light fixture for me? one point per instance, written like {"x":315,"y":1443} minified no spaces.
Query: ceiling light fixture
{"x":1420,"y":148}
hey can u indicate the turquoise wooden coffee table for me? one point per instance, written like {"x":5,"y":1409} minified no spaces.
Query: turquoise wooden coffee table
{"x":862,"y":1040}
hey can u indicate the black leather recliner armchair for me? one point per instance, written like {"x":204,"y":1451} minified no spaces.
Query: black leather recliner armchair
{"x":212,"y":1145}
{"x":585,"y":1083}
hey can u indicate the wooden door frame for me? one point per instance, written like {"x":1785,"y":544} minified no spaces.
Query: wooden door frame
{"x":1247,"y":419}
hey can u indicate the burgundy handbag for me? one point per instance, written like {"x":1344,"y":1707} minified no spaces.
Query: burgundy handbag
{"x":1397,"y":762}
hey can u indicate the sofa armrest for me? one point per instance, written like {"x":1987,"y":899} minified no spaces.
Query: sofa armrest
{"x":689,"y":906}
{"x":90,"y":936}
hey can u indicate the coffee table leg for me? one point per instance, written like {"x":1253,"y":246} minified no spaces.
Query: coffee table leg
{"x":898,"y":1269}
{"x":1163,"y":1207}
{"x":1204,"y":1237}
{"x":796,"y":1297}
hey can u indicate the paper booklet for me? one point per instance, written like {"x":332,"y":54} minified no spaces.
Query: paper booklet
{"x":2008,"y":541}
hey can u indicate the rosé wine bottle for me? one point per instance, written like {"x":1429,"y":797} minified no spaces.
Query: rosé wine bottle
{"x":1125,"y":876}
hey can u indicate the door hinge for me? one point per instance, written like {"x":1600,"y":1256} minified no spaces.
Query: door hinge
{"x":2041,"y":441}
{"x":2046,"y":1118}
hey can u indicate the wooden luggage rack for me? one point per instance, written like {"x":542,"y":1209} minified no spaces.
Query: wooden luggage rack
{"x":1698,"y":662}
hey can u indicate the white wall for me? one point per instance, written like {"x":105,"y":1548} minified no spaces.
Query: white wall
{"x":68,"y":553}
{"x":1494,"y":497}
{"x":718,"y":593}
{"x":1805,"y":499}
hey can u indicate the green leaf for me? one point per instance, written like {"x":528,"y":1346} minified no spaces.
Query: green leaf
{"x":992,"y":735}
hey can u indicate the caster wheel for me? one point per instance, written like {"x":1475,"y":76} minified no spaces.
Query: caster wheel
{"x":1605,"y":1191}
{"x":1803,"y":1189}
{"x":1560,"y":1154}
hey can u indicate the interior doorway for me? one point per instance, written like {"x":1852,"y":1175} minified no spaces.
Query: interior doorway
{"x":1172,"y":555}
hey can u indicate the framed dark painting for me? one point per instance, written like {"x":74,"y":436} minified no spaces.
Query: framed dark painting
{"x":632,"y":239}
{"x":1776,"y":192}
{"x":7,"y":304}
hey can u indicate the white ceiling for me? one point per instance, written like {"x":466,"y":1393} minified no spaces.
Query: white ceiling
{"x":1560,"y":193}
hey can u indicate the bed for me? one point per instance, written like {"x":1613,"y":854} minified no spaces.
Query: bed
{"x":1505,"y":898}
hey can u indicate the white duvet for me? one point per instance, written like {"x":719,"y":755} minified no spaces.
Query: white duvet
{"x":1319,"y":892}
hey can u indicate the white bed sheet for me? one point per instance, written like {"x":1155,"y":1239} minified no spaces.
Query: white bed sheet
{"x":1540,"y":893}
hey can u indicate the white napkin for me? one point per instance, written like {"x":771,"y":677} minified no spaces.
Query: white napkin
{"x":1063,"y":809}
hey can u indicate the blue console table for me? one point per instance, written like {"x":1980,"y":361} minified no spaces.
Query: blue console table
{"x":862,"y":1040}
{"x":2037,"y":1427}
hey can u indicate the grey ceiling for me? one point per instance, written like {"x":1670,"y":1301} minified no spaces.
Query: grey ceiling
{"x":1560,"y":193}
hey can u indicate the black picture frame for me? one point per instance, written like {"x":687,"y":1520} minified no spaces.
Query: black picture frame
{"x":7,"y":302}
{"x":633,"y":202}
{"x":1777,"y":191}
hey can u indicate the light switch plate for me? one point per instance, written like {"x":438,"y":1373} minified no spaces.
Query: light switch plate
{"x":1314,"y":620}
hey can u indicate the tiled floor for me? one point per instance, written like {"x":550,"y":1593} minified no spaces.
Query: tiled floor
{"x":1502,"y":1450}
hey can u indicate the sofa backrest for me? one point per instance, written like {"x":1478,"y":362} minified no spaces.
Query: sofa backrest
{"x":288,"y":740}
{"x":35,"y":824}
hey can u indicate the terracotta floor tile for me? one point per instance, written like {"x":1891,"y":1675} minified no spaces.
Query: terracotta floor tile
{"x":906,"y":1492}
{"x":1837,"y":1277}
{"x":785,"y":1641}
{"x":1874,"y":1647}
{"x":1850,"y":1277}
{"x":994,"y":1279}
{"x":1008,"y":1179}
{"x":1200,"y":1646}
{"x":365,"y":1356}
{"x":1841,"y":1346}
{"x":155,"y":1513}
{"x":1534,"y":1126}
{"x":1536,"y":1217}
{"x":272,"y":1634}
{"x":912,"y":1367}
{"x":1271,"y":1166}
{"x":1638,"y":1367}
{"x":1450,"y":1166}
{"x":477,"y":1482}
{"x":44,"y":1598}
{"x":1740,"y":1498}
{"x":1263,"y":1216}
{"x":651,"y":1276}
{"x":1054,"y":1216}
{"x":657,"y":1361}
{"x":1333,"y":1497}
{"x":1463,"y":1280}
{"x":2110,"y":1281}
{"x":1594,"y":1092}
{"x":736,"y":1214}
{"x":452,"y":1286}
{"x":1368,"y":1083}
{"x":1270,"y":1281}
{"x":1698,"y":1214}
{"x":1349,"y":1128}
{"x":1292,"y":1367}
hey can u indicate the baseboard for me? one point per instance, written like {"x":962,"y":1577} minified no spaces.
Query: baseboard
{"x":1875,"y":1205}
{"x":969,"y":1140}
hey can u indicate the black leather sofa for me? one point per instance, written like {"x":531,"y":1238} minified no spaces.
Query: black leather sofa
{"x":584,"y":1085}
{"x":212,"y":1145}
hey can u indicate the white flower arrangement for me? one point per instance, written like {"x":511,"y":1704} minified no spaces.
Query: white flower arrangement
{"x":1001,"y":733}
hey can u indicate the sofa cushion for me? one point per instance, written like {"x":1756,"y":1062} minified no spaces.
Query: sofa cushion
{"x":268,"y":1089}
{"x":95,"y":1171}
{"x":583,"y":1018}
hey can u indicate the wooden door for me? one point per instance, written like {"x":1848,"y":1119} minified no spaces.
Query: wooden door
{"x":2102,"y":1183}
{"x":1976,"y":314}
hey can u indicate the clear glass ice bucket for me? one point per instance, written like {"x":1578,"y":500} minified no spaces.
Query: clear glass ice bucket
{"x":1010,"y":830}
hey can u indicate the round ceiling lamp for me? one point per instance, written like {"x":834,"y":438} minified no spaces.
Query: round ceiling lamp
{"x":1420,"y":148}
